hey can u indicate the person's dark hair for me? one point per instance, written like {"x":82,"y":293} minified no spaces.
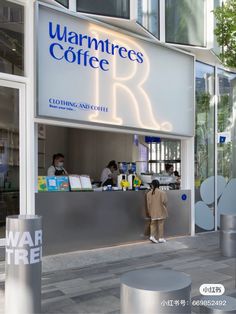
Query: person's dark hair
{"x":56,"y":156}
{"x":168,"y":166}
{"x":113,"y":164}
{"x":155,"y":185}
{"x":176,"y":173}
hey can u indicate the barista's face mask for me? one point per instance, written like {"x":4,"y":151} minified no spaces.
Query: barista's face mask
{"x":60,"y":164}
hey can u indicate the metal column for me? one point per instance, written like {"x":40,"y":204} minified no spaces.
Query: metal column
{"x":23,"y":264}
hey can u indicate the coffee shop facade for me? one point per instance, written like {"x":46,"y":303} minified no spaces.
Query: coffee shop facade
{"x":69,"y":71}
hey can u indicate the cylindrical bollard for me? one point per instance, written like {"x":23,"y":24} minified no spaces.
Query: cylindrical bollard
{"x":23,"y":264}
{"x":152,"y":291}
{"x":228,"y":234}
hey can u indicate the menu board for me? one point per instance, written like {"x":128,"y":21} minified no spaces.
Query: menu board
{"x":75,"y":184}
{"x":79,"y":183}
{"x":85,"y":182}
{"x":64,"y":183}
{"x":42,"y":184}
{"x":52,"y":184}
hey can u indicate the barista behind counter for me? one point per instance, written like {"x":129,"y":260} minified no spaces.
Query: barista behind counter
{"x":108,"y":176}
{"x":57,"y":169}
{"x":174,"y":176}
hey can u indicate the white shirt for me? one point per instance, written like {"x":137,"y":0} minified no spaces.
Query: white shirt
{"x":106,"y":174}
{"x":52,"y":170}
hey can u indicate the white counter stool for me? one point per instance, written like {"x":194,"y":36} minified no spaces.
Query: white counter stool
{"x":217,"y":305}
{"x":228,"y":234}
{"x":153,"y":290}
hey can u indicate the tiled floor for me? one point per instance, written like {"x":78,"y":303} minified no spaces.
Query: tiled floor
{"x":89,"y":282}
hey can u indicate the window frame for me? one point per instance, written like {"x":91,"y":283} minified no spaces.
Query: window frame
{"x":23,"y":6}
{"x":65,"y":6}
{"x":106,"y":15}
{"x":204,"y":30}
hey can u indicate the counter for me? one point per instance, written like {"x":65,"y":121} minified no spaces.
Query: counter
{"x":86,"y":220}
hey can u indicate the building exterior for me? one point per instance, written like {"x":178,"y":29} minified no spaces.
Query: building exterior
{"x":183,"y":25}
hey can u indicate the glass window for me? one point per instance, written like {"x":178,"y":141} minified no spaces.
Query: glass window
{"x":115,"y":8}
{"x":226,"y":147}
{"x":65,"y":3}
{"x":143,"y":158}
{"x":163,"y":152}
{"x":185,"y":21}
{"x":9,"y":154}
{"x":204,"y":147}
{"x":148,"y":15}
{"x":226,"y":123}
{"x":11,"y":38}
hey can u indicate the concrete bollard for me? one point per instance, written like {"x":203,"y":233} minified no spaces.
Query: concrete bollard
{"x":228,"y":234}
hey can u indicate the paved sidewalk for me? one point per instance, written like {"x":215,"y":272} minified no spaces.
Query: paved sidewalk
{"x":89,"y":281}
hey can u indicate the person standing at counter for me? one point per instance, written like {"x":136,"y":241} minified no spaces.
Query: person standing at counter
{"x":57,"y":167}
{"x":157,"y":210}
{"x":107,"y":176}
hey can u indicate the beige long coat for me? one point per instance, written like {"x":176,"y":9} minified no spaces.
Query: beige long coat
{"x":156,"y":204}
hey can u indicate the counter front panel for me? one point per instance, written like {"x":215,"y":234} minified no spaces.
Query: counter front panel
{"x":86,"y":220}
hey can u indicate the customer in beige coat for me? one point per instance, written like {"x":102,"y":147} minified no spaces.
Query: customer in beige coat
{"x":156,"y":207}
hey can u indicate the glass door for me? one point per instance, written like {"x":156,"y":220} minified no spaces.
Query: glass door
{"x":12,"y":152}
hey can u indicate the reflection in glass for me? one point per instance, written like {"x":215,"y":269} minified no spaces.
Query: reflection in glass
{"x":185,"y":22}
{"x":11,"y":38}
{"x":204,"y":140}
{"x":226,"y":151}
{"x":115,"y":8}
{"x":9,"y":154}
{"x":226,"y":123}
{"x":148,"y":15}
